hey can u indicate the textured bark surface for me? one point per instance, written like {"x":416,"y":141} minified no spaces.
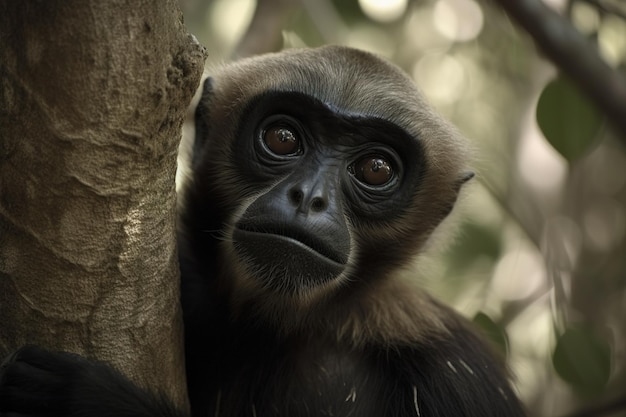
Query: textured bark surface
{"x":92,"y":97}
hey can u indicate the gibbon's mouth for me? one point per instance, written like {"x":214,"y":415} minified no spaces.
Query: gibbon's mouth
{"x":287,"y":258}
{"x":290,"y":241}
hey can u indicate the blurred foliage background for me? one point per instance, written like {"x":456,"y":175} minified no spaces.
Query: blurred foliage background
{"x":540,"y":259}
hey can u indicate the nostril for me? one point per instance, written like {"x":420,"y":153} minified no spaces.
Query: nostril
{"x":295,"y":197}
{"x":318,"y":204}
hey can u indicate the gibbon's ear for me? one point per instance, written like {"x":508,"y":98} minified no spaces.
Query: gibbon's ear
{"x":466,"y":177}
{"x":201,"y":118}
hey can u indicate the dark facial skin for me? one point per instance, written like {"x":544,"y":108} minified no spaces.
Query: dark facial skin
{"x":320,"y":173}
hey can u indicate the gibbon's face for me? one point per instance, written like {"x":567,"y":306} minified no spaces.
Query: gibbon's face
{"x":326,"y":166}
{"x":320,"y":175}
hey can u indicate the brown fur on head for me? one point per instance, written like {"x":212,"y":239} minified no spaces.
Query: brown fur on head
{"x":349,"y":82}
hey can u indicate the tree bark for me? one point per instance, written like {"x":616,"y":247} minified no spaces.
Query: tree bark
{"x":92,"y":98}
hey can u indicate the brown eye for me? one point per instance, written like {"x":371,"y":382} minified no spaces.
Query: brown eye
{"x":281,"y":140}
{"x":373,"y":170}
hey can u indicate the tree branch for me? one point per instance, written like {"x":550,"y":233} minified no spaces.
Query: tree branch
{"x":575,"y":56}
{"x":265,"y":31}
{"x":607,"y":8}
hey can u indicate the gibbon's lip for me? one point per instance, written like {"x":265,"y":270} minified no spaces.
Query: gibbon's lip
{"x":284,"y":264}
{"x":284,"y":237}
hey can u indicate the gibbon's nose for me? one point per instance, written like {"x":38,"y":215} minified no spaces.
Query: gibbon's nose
{"x":309,"y":197}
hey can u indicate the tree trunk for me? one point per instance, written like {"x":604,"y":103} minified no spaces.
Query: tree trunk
{"x":92,"y":97}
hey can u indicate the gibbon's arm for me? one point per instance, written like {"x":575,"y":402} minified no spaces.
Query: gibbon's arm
{"x":37,"y":383}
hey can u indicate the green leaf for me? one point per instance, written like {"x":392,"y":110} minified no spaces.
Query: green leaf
{"x":493,"y":331}
{"x":567,"y":119}
{"x":583,"y":360}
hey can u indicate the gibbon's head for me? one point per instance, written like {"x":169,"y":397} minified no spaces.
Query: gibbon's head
{"x":320,"y":168}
